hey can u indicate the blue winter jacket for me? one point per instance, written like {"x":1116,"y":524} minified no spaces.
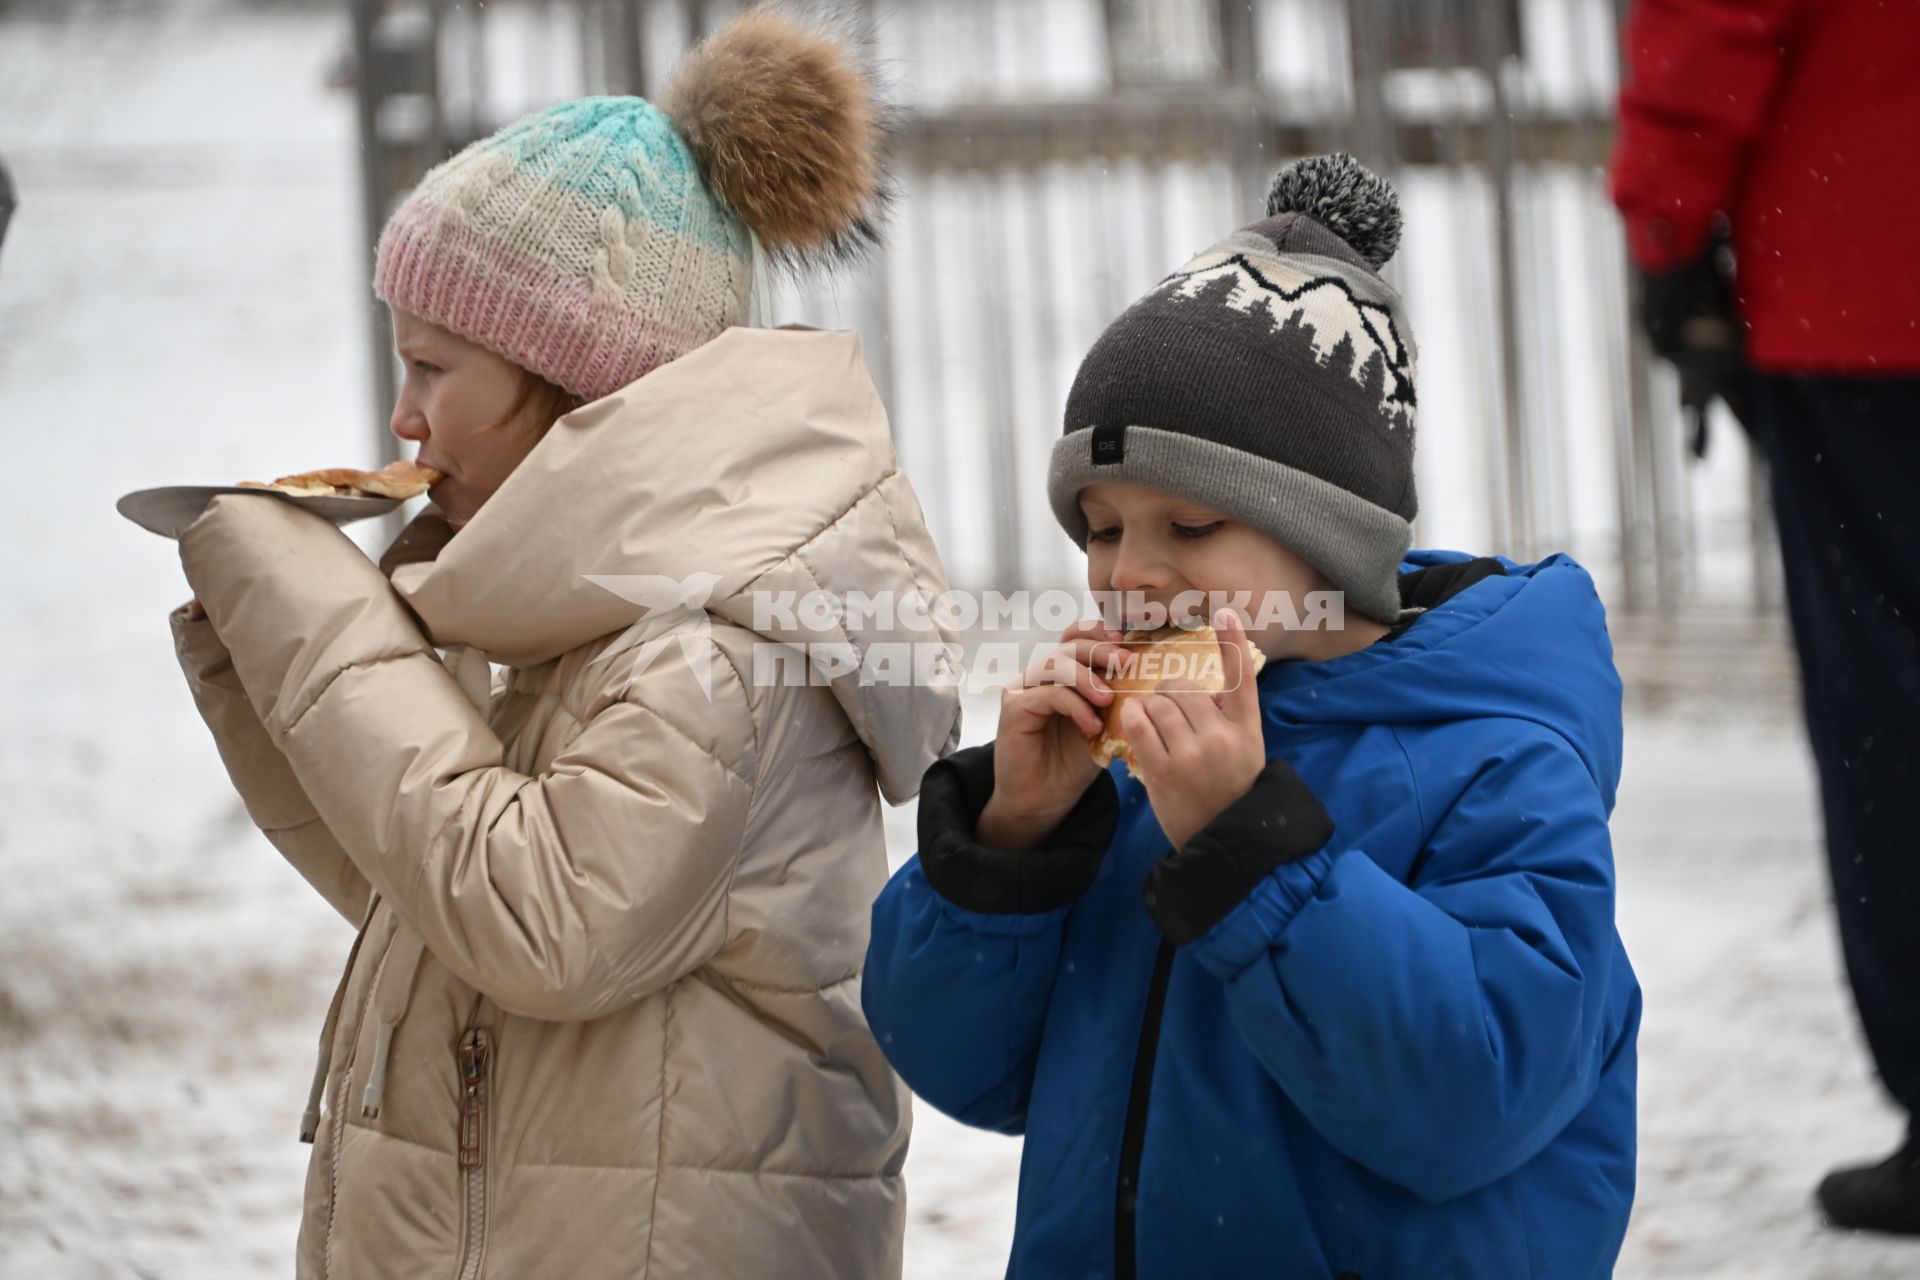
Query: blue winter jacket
{"x":1408,"y":1053}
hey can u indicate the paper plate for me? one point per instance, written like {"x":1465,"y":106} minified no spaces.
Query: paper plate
{"x":168,"y":511}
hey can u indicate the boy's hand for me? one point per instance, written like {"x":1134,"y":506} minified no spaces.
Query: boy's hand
{"x":1041,"y":763}
{"x":1196,"y":754}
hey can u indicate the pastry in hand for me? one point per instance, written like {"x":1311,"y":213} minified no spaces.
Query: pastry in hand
{"x":402,"y":479}
{"x":1168,"y":653}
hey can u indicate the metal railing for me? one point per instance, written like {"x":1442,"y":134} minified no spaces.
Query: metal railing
{"x":1059,"y":156}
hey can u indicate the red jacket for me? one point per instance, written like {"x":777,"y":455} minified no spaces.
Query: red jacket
{"x":1800,"y":120}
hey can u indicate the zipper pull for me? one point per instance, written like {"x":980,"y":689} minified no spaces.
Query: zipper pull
{"x":473,"y":1075}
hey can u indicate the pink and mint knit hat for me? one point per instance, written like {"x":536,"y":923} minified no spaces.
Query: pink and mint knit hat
{"x":596,"y":240}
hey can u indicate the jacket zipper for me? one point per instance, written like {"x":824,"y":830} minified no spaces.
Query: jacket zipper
{"x":476,"y":1048}
{"x":1133,"y":1138}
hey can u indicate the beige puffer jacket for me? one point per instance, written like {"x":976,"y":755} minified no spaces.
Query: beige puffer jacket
{"x":603,"y":1016}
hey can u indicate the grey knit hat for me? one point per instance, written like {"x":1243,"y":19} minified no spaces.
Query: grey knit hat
{"x":1271,"y":379}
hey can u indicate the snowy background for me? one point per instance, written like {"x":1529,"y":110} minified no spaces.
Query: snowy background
{"x":180,"y":301}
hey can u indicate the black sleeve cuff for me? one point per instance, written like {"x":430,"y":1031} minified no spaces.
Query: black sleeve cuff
{"x":1279,"y":820}
{"x":992,"y":881}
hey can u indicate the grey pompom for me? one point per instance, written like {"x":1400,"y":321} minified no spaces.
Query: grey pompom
{"x":1346,"y":198}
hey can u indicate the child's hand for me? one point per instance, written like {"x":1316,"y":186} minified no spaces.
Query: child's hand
{"x":1196,"y":754}
{"x":1041,"y":762}
{"x":195,"y":610}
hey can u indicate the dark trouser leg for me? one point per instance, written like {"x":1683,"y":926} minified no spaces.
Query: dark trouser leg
{"x":1845,"y":457}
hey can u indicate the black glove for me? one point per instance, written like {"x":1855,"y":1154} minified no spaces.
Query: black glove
{"x":1692,"y":322}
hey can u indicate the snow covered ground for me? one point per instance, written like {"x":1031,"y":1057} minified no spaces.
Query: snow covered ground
{"x":179,"y":302}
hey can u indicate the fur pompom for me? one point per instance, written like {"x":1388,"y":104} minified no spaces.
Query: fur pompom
{"x":1346,"y":198}
{"x":785,"y":118}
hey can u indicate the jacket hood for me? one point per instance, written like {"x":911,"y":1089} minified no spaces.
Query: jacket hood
{"x":758,"y":465}
{"x":1530,"y":644}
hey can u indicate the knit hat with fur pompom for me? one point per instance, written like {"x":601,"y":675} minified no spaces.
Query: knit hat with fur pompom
{"x":596,"y":240}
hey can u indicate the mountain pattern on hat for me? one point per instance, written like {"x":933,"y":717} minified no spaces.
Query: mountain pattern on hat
{"x":1272,"y":379}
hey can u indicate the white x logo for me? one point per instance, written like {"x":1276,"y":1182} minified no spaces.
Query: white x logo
{"x":675,"y":610}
